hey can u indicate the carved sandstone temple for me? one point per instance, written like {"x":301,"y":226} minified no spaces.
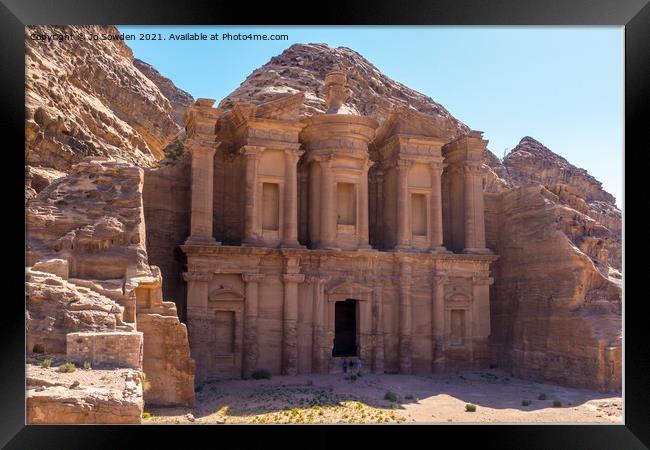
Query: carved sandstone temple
{"x":315,"y":239}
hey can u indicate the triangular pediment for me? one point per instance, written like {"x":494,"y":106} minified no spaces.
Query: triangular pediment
{"x":351,"y":288}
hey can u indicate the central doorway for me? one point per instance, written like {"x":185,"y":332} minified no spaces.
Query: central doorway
{"x":345,"y":328}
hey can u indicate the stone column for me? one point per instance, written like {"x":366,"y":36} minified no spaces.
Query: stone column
{"x":202,"y":192}
{"x":252,"y":156}
{"x":314,"y":204}
{"x":318,"y":328}
{"x":436,"y":208}
{"x":290,"y":226}
{"x":198,"y":324}
{"x":405,"y":318}
{"x":363,"y":208}
{"x":480,"y":314}
{"x":380,"y":240}
{"x":403,"y":213}
{"x":474,"y":209}
{"x":251,"y":305}
{"x":378,"y":353}
{"x":438,"y":322}
{"x":327,"y":206}
{"x":290,"y":323}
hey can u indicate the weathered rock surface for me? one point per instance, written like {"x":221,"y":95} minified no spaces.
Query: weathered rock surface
{"x":89,"y":272}
{"x":302,"y":68}
{"x":83,"y":396}
{"x":89,"y":98}
{"x":178,"y":98}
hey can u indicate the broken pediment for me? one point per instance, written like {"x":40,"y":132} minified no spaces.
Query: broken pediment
{"x":407,"y":121}
{"x":284,"y":108}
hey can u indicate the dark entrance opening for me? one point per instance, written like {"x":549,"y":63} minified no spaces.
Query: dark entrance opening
{"x":345,"y":328}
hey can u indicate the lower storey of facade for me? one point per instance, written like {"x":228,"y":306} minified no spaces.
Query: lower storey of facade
{"x":293,"y":311}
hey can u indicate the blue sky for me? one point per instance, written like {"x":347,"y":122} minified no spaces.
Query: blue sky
{"x":561,"y":85}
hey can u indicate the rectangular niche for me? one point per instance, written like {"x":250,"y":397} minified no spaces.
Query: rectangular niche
{"x":225,"y":333}
{"x":457,"y":326}
{"x":270,"y":206}
{"x":346,"y":204}
{"x":419,"y":214}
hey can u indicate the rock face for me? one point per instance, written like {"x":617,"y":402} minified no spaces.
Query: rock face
{"x":556,"y":309}
{"x":178,"y":98}
{"x":89,"y":98}
{"x":88,"y":272}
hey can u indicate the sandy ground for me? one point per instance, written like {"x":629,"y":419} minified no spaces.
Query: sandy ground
{"x":440,"y":398}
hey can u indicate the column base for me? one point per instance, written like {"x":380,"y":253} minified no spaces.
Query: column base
{"x":330,"y":247}
{"x":201,"y":240}
{"x":366,"y":248}
{"x":252,"y":243}
{"x":440,"y":249}
{"x":478,"y":251}
{"x":291,"y":244}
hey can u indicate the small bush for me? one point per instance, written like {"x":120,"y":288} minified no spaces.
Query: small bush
{"x":46,"y":363}
{"x":146,"y":415}
{"x":525,"y":402}
{"x":408,"y":397}
{"x":79,"y":340}
{"x":87,"y":365}
{"x":67,"y":367}
{"x":557,"y":403}
{"x":541,"y":396}
{"x":390,"y":396}
{"x":261,"y":374}
{"x":469,"y":407}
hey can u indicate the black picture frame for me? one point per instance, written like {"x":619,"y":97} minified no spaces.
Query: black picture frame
{"x":634,"y":15}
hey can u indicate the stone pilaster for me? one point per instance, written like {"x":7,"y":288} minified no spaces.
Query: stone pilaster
{"x":403,"y":212}
{"x":474,"y":208}
{"x":438,"y":322}
{"x":290,"y":323}
{"x":480,"y":328}
{"x":202,"y":192}
{"x":378,"y":328}
{"x":198,"y":325}
{"x":436,"y":208}
{"x":252,"y":230}
{"x":290,"y":226}
{"x":319,"y":341}
{"x":327,"y":206}
{"x":251,"y":305}
{"x":363,"y":208}
{"x":405,"y":317}
{"x":314,"y":204}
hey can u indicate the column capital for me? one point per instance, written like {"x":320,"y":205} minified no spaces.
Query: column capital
{"x":437,"y":167}
{"x":251,"y":277}
{"x":293,"y":277}
{"x":403,"y":164}
{"x":294,"y":152}
{"x":324,"y":160}
{"x":472,"y":167}
{"x":317,"y":278}
{"x":482,"y":280}
{"x":251,"y":151}
{"x":439,"y":280}
{"x":197,"y":276}
{"x":202,"y":148}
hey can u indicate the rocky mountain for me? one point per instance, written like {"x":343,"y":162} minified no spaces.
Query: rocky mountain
{"x":302,"y":68}
{"x":92,"y":98}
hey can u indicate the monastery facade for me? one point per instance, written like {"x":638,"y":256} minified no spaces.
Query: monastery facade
{"x":329,"y":237}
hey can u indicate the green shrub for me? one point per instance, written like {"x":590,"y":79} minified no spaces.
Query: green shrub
{"x":176,"y":152}
{"x":46,"y":363}
{"x":557,"y":403}
{"x":146,"y":415}
{"x":67,"y":367}
{"x":525,"y":402}
{"x":260,"y":374}
{"x":469,"y":407}
{"x":87,"y":365}
{"x":390,"y":396}
{"x":541,"y":396}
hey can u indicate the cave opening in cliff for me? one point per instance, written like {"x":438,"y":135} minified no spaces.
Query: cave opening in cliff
{"x":345,"y":328}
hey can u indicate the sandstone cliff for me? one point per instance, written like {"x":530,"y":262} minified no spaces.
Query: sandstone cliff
{"x":88,"y":271}
{"x":91,"y":98}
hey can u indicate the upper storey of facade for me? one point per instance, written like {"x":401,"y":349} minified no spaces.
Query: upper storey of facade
{"x":264,"y":176}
